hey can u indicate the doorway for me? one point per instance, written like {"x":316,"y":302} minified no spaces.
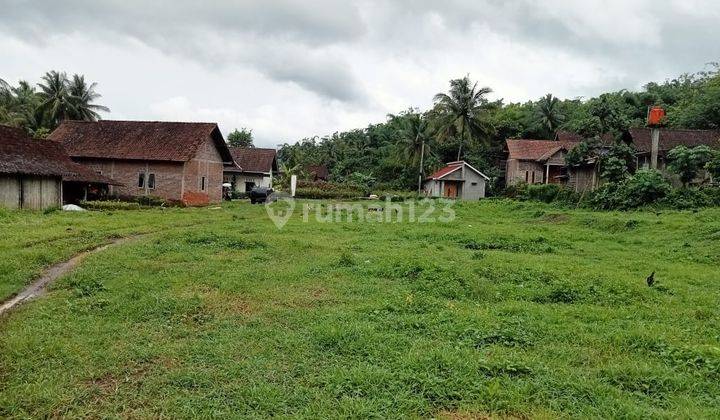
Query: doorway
{"x":450,"y":190}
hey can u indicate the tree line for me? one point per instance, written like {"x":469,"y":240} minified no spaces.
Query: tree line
{"x":464,"y":124}
{"x":40,"y":108}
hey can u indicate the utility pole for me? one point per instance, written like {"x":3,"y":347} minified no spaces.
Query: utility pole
{"x":422,"y":156}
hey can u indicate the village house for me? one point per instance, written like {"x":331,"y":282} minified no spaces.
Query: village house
{"x":38,"y":174}
{"x":456,"y":180}
{"x":543,"y":161}
{"x":177,"y":161}
{"x":537,"y":161}
{"x":254,"y":167}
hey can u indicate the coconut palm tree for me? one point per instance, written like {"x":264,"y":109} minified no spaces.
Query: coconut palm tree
{"x":82,"y":97}
{"x":548,"y":111}
{"x":415,"y":135}
{"x":56,"y":102}
{"x":460,"y":110}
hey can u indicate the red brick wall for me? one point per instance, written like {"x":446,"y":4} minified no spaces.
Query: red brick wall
{"x":174,"y":181}
{"x":206,"y":163}
{"x":168,"y":177}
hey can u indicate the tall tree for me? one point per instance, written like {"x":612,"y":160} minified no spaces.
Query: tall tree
{"x":415,"y":137}
{"x":241,"y":138}
{"x":82,"y":97}
{"x":56,"y":102}
{"x":460,"y":111}
{"x":548,"y":112}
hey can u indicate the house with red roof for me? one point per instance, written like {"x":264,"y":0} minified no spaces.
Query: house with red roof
{"x":177,"y":161}
{"x":456,"y":180}
{"x":254,"y":167}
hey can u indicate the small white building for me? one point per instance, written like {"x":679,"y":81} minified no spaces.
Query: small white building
{"x":255,"y":168}
{"x":456,"y":180}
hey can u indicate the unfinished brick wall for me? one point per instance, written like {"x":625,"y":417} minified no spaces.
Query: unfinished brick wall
{"x":168,"y":177}
{"x":206,"y":163}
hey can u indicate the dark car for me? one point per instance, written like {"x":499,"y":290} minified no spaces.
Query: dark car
{"x":260,"y":194}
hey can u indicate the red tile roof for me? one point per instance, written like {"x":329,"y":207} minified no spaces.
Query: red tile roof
{"x":138,"y":140}
{"x":254,"y":159}
{"x":537,"y":150}
{"x":671,"y":138}
{"x":450,"y":168}
{"x":19,"y":154}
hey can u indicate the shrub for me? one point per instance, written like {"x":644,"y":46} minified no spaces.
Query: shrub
{"x":686,"y":162}
{"x":109,"y":205}
{"x":645,"y":187}
{"x":237,"y":195}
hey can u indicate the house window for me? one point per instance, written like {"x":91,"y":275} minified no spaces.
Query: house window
{"x":151,"y":181}
{"x":527,"y":177}
{"x":202,"y":184}
{"x":249,"y":186}
{"x":473,"y":183}
{"x":141,"y":180}
{"x":533,"y":177}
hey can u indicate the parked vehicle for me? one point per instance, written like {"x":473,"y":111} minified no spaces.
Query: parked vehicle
{"x":260,"y":194}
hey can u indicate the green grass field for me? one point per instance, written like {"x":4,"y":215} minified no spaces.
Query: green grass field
{"x":511,"y":310}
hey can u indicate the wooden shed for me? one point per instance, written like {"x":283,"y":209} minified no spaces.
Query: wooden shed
{"x":32,"y":172}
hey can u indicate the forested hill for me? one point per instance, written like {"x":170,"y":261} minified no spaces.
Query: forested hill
{"x":464,"y":122}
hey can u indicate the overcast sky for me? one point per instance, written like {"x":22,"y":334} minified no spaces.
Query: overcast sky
{"x":293,"y":69}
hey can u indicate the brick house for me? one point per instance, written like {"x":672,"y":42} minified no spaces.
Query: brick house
{"x":177,"y":161}
{"x":254,"y":167}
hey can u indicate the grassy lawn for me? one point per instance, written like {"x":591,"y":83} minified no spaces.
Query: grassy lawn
{"x":512,"y":309}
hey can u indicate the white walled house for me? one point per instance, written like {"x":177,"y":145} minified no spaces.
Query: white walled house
{"x":456,"y":180}
{"x":255,"y":168}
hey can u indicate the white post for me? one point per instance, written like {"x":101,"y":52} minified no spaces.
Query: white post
{"x":655,"y":137}
{"x":547,"y":172}
{"x":293,"y":184}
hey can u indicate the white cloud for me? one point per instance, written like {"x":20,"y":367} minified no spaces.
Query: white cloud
{"x":291,"y":69}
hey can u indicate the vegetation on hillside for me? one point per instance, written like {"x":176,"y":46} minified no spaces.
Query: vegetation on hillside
{"x":465,"y":124}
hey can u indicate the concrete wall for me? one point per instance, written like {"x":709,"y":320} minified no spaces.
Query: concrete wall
{"x":239,"y":180}
{"x":30,"y":192}
{"x":474,"y":186}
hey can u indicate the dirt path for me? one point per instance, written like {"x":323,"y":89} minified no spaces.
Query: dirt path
{"x":39,"y":286}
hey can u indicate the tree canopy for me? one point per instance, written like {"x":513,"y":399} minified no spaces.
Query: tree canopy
{"x":465,"y":124}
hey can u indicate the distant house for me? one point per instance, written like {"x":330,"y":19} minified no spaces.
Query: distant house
{"x":254,"y":167}
{"x":456,"y":180}
{"x":537,"y":161}
{"x":668,"y":139}
{"x":318,"y":172}
{"x":38,"y":174}
{"x":177,"y":161}
{"x":543,"y":161}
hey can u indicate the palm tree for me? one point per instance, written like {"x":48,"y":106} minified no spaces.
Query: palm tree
{"x":82,"y":97}
{"x":415,"y":135}
{"x":56,"y":102}
{"x":461,"y":110}
{"x":548,"y":111}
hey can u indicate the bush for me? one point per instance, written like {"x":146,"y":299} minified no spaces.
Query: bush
{"x":689,"y":198}
{"x":547,"y":193}
{"x":109,"y":205}
{"x":237,"y":195}
{"x":646,"y":187}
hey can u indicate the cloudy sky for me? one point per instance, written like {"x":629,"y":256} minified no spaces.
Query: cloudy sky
{"x":293,"y":69}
